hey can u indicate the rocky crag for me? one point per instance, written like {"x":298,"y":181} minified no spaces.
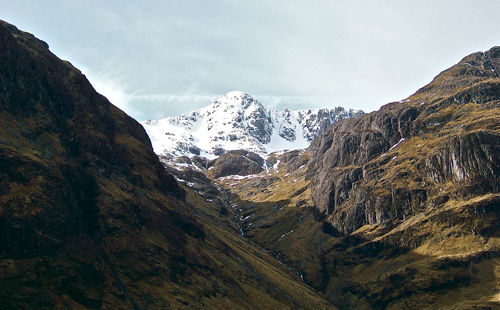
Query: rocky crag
{"x":440,"y":144}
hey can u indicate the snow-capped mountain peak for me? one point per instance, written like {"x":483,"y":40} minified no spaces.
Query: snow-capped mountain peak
{"x":238,"y":121}
{"x":234,"y":99}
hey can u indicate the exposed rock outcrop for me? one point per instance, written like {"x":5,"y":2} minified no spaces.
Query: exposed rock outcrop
{"x":387,"y":164}
{"x":467,"y":156}
{"x":237,"y":162}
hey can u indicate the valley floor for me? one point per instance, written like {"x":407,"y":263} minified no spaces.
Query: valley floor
{"x":427,"y":261}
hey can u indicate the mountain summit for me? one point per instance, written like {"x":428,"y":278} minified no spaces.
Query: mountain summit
{"x":238,"y":121}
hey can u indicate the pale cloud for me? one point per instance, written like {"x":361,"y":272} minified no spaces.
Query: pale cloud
{"x":115,"y":93}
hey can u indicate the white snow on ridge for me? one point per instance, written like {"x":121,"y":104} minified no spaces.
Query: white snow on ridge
{"x":237,"y":121}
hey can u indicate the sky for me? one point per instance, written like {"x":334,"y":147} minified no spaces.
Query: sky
{"x":155,"y":59}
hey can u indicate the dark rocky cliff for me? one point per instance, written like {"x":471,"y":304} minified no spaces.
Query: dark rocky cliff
{"x":78,"y":178}
{"x":238,"y":162}
{"x":442,"y":142}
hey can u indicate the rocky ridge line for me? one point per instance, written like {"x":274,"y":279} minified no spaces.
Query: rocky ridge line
{"x":238,"y":121}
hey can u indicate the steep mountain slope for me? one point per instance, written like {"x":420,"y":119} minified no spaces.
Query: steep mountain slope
{"x":443,"y":141}
{"x":396,"y":209}
{"x":422,"y":175}
{"x":90,"y":219}
{"x":237,"y":121}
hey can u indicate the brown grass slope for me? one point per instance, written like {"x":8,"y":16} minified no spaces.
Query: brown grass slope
{"x":406,"y":200}
{"x":89,"y":219}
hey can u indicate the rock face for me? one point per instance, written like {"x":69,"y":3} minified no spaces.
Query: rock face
{"x":238,"y":121}
{"x":470,"y":155}
{"x":387,"y":164}
{"x":89,"y":218}
{"x":237,"y":162}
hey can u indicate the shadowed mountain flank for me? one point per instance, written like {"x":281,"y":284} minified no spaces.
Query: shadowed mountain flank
{"x":89,"y":218}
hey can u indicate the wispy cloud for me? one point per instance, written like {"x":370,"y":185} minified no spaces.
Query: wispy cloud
{"x":157,"y":106}
{"x":113,"y":90}
{"x":175,"y":98}
{"x":169,"y":57}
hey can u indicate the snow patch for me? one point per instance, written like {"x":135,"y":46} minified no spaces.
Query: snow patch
{"x":396,"y":145}
{"x":284,"y":235}
{"x":246,"y":217}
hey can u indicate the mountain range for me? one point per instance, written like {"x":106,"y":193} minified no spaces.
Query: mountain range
{"x":238,"y":121}
{"x":90,"y":219}
{"x":395,"y":209}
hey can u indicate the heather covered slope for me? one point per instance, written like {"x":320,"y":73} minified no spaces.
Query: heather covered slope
{"x":90,"y":219}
